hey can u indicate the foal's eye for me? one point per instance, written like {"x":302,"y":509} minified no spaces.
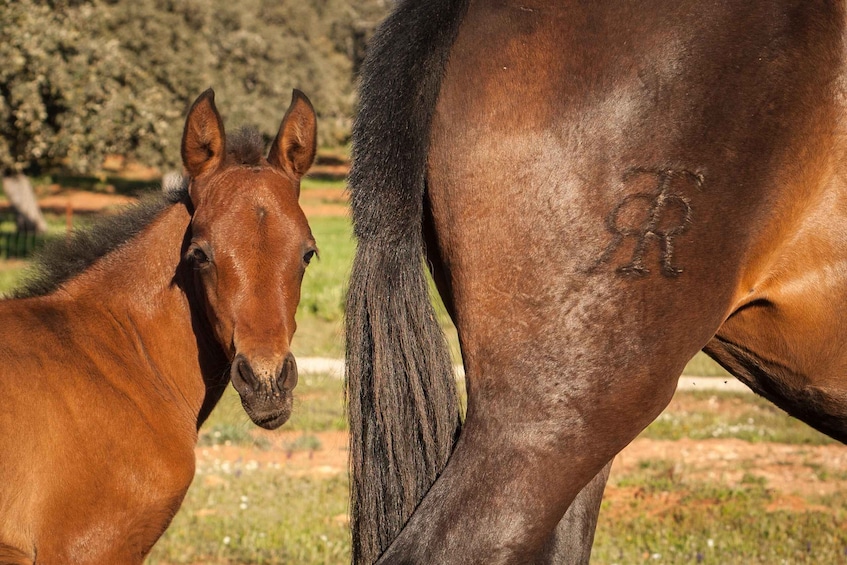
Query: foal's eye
{"x":197,"y":256}
{"x":307,"y":258}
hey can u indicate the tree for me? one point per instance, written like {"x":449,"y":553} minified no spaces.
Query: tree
{"x":67,"y":98}
{"x":85,"y":78}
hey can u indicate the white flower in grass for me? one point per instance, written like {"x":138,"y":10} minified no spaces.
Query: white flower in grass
{"x":227,"y":539}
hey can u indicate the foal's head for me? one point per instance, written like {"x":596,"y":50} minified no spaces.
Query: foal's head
{"x":249,"y":244}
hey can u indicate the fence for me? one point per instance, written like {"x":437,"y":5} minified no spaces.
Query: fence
{"x":14,"y":242}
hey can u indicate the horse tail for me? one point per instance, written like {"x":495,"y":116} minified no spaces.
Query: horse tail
{"x":400,"y":388}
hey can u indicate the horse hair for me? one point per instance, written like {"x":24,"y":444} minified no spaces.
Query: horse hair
{"x":245,"y":146}
{"x":400,"y":387}
{"x":65,"y":258}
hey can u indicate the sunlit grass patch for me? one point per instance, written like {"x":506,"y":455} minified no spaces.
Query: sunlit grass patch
{"x":263,"y":516}
{"x":711,"y":415}
{"x":322,"y":296}
{"x":303,"y":442}
{"x":702,"y":365}
{"x":318,"y":407}
{"x":256,"y":508}
{"x":11,"y":275}
{"x":225,"y":433}
{"x":675,"y":521}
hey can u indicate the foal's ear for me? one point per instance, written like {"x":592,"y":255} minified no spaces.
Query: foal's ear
{"x":203,"y":139}
{"x":293,"y":150}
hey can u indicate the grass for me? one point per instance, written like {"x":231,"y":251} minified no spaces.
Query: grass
{"x":261,"y":516}
{"x":11,"y":274}
{"x":318,"y":407}
{"x":241,"y":511}
{"x":672,"y":520}
{"x":731,"y":415}
{"x":321,"y":309}
{"x":701,"y":365}
{"x":709,"y":523}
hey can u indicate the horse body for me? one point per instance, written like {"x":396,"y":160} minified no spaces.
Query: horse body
{"x":70,"y":398}
{"x":108,"y":376}
{"x":610,"y":187}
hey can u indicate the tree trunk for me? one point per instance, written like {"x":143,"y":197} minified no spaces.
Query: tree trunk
{"x":19,"y":191}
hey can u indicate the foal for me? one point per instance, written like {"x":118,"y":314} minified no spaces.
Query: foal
{"x":111,"y":360}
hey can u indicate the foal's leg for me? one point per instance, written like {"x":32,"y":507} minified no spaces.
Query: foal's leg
{"x":571,"y":543}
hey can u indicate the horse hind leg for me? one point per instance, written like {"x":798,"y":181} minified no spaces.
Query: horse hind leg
{"x":571,"y":542}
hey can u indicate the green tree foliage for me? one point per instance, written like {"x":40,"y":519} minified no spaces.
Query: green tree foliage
{"x":80,"y":79}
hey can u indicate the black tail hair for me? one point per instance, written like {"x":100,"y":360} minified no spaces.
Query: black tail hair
{"x":400,"y":388}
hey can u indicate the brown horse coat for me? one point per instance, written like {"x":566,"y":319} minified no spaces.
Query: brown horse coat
{"x":606,"y":188}
{"x":109,"y":367}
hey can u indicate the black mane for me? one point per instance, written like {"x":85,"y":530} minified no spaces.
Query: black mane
{"x":63,"y":259}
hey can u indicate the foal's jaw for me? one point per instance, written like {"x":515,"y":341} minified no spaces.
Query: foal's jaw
{"x":265,"y":387}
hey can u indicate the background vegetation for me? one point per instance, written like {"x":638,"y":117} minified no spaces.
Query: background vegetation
{"x":84,"y":78}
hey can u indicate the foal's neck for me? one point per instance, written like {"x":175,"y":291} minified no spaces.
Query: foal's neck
{"x":142,"y":290}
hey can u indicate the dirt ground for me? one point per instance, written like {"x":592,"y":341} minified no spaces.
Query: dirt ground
{"x":791,"y":472}
{"x":60,"y":200}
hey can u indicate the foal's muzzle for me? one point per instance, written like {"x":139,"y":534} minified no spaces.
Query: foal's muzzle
{"x":265,"y":388}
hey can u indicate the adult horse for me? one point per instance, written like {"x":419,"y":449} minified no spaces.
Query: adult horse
{"x":601,"y":190}
{"x":114,"y":356}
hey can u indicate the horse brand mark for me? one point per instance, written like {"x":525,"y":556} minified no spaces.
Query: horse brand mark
{"x":648,"y":217}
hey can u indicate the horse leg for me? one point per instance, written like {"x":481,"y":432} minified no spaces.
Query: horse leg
{"x":564,"y":367}
{"x":530,"y":444}
{"x":573,"y":538}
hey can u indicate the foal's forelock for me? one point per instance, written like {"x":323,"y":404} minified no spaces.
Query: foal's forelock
{"x":245,"y":147}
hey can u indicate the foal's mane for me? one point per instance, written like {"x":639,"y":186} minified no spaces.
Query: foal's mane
{"x":64,"y":259}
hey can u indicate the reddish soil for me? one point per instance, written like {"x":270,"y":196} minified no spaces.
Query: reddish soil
{"x":58,"y":200}
{"x":792,"y":473}
{"x":329,"y":459}
{"x":81,"y":201}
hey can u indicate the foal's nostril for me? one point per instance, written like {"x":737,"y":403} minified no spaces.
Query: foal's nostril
{"x":288,"y":375}
{"x":243,"y":371}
